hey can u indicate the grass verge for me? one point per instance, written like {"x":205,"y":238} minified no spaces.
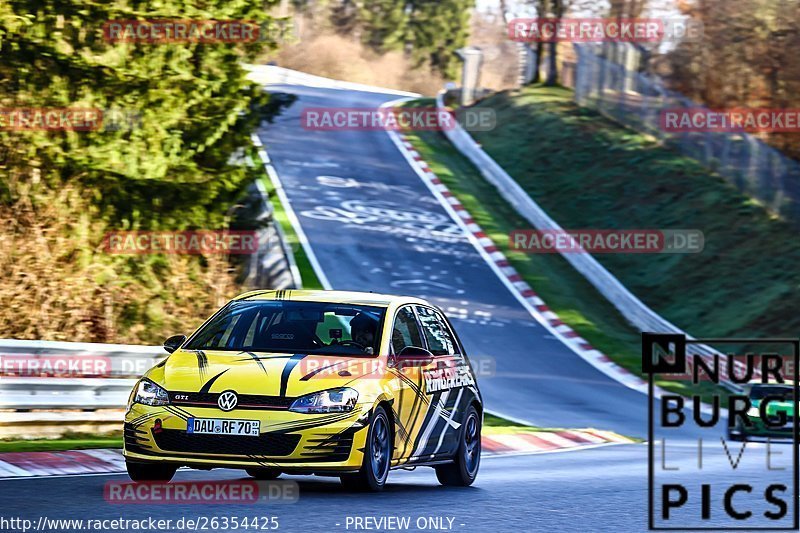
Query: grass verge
{"x":589,"y":172}
{"x":307,"y":274}
{"x":67,"y":442}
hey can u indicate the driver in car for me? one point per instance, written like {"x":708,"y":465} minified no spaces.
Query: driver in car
{"x":362,"y":331}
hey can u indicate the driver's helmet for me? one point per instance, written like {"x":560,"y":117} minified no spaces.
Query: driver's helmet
{"x":363,"y":328}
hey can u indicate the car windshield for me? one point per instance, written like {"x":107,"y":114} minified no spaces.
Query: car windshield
{"x":292,"y":327}
{"x":759,"y":392}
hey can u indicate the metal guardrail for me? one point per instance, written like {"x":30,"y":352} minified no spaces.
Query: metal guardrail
{"x":64,"y":393}
{"x":46,"y":375}
{"x":273,"y":266}
{"x":631,"y":307}
{"x":271,"y":74}
{"x":607,"y":80}
{"x":51,"y":358}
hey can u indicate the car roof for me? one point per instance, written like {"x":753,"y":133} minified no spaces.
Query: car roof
{"x":344,"y":297}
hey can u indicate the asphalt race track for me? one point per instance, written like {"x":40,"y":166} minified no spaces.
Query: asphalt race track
{"x":603,"y":489}
{"x":373,"y":225}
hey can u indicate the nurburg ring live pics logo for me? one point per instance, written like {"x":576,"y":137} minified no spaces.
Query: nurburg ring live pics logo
{"x":723,"y":454}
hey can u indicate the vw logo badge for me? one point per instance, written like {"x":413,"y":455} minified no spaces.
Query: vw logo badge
{"x":227,"y":400}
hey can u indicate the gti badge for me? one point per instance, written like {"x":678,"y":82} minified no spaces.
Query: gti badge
{"x":227,"y":400}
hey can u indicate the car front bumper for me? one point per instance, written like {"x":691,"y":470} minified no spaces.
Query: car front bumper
{"x":287,"y":441}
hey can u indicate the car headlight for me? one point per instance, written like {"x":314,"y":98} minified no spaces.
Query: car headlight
{"x":148,"y":393}
{"x":341,"y":400}
{"x":754,"y":412}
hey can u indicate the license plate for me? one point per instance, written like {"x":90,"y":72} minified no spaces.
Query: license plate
{"x":222,"y":426}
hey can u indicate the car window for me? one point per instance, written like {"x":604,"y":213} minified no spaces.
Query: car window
{"x":405,"y":331}
{"x":332,"y":327}
{"x":292,"y":327}
{"x":440,"y":341}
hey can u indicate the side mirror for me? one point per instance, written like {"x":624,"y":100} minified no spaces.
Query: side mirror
{"x":413,"y":356}
{"x":174,"y":342}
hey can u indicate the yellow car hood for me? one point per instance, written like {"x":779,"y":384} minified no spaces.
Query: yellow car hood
{"x":263,"y":373}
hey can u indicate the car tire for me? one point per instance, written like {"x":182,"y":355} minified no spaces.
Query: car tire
{"x":140,"y":472}
{"x":263,"y":473}
{"x":375,"y":467}
{"x":464,"y":468}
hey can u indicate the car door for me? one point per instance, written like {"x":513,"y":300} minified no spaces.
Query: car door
{"x":411,"y":404}
{"x":446,"y":383}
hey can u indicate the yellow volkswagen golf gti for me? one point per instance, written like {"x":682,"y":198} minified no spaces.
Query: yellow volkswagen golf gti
{"x":331,"y":383}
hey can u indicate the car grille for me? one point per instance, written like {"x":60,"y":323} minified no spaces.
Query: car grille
{"x":246,"y":401}
{"x":268,"y":444}
{"x":328,"y":448}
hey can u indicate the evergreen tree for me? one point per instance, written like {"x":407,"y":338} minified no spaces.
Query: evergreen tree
{"x":437,"y":29}
{"x":188,"y":108}
{"x":385,"y":23}
{"x":429,"y":30}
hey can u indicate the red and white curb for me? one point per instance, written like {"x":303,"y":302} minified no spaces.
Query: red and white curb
{"x":71,"y":462}
{"x":530,"y":441}
{"x":503,"y":441}
{"x":507,"y":274}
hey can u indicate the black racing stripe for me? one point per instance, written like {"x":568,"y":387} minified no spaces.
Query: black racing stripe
{"x":144,"y":418}
{"x":257,"y":459}
{"x":420,"y":399}
{"x":259,"y":293}
{"x":432,"y":443}
{"x":287,"y":370}
{"x":177,"y":413}
{"x":207,"y":387}
{"x":262,"y":358}
{"x":402,"y":432}
{"x":181,"y":410}
{"x":416,"y":387}
{"x":347,"y":432}
{"x":289,"y":427}
{"x":425,"y":421}
{"x":398,"y":413}
{"x":257,"y":359}
{"x":403,"y":392}
{"x":317,"y":371}
{"x":202,"y":362}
